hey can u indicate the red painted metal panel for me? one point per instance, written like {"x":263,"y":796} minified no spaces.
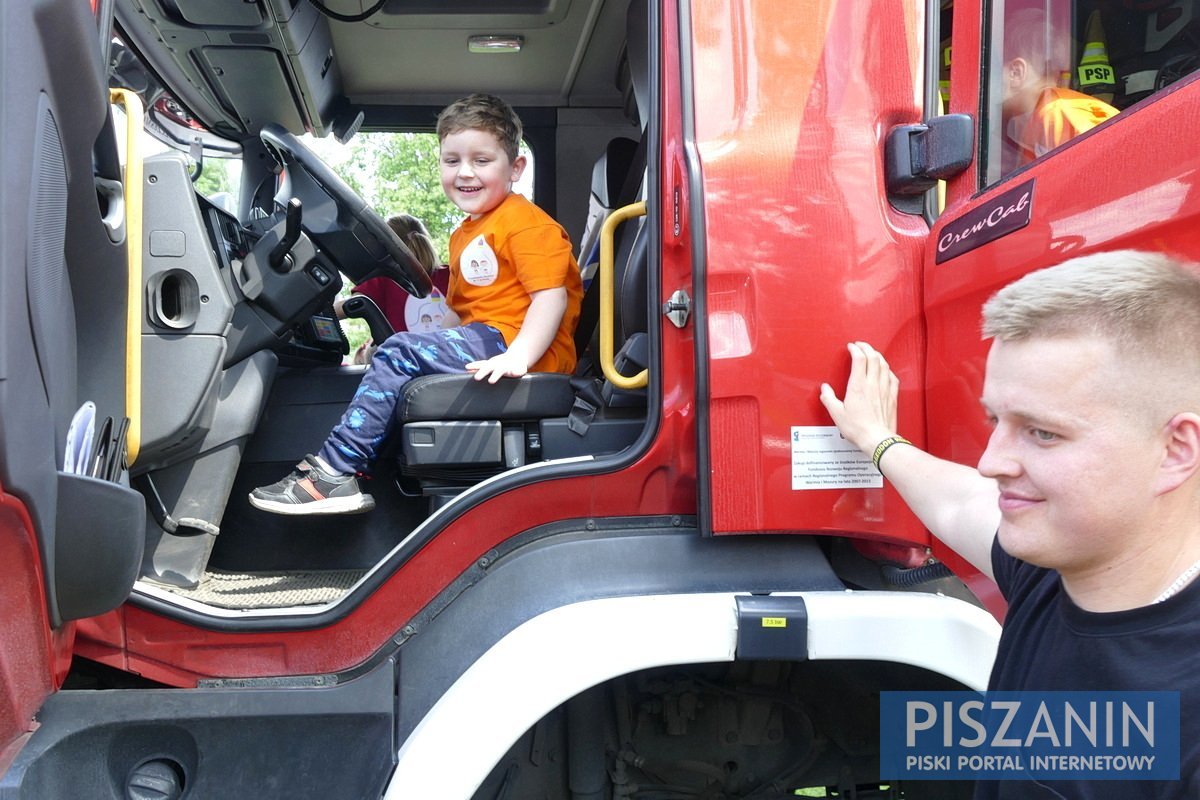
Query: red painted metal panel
{"x":966,"y":87}
{"x":1081,"y":203}
{"x":803,"y":251}
{"x":33,"y":660}
{"x":178,"y":653}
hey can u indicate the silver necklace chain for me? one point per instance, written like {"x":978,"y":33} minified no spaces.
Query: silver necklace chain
{"x":1180,"y":582}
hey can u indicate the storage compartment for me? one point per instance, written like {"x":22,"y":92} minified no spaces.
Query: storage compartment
{"x":99,"y":532}
{"x":457,"y":443}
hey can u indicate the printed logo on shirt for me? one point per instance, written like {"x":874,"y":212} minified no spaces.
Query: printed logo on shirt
{"x":478,"y":263}
{"x":425,"y":315}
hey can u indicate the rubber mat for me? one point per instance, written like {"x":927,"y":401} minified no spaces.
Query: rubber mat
{"x":271,"y":589}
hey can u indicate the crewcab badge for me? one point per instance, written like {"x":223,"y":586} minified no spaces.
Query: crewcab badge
{"x":998,"y":217}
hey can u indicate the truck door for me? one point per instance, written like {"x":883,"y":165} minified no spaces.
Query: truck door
{"x":801,"y":253}
{"x":1100,"y":157}
{"x":70,"y":533}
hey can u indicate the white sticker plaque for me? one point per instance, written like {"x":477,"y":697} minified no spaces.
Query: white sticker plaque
{"x":822,"y":459}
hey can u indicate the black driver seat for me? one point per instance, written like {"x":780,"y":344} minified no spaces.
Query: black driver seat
{"x":455,"y":431}
{"x":460,"y":397}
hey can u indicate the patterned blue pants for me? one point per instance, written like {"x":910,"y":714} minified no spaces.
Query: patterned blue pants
{"x":354,"y":442}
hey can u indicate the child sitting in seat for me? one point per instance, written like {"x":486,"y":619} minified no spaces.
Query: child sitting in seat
{"x":514,"y":298}
{"x":402,"y":310}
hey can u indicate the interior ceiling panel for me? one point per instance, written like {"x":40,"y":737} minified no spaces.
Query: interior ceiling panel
{"x":423,"y":58}
{"x":469,"y":13}
{"x":411,"y":7}
{"x":238,"y":64}
{"x":227,"y":14}
{"x":268,"y":98}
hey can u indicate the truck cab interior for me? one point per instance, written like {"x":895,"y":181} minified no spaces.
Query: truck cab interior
{"x":242,"y":358}
{"x":238,"y":371}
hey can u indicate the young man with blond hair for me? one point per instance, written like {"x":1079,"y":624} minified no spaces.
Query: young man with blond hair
{"x":1085,"y":506}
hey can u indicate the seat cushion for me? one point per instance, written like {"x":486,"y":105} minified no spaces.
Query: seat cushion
{"x":456,"y":397}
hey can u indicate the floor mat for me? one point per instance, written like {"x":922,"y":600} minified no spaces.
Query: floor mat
{"x":271,"y":589}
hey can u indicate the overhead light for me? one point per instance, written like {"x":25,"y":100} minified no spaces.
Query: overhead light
{"x":491,"y":43}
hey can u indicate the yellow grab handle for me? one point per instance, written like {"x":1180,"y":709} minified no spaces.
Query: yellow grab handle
{"x":133,"y":246}
{"x":607,"y":294}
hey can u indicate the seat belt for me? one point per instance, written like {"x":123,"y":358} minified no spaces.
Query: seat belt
{"x":588,"y":401}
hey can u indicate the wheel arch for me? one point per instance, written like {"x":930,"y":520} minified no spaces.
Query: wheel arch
{"x":564,"y":650}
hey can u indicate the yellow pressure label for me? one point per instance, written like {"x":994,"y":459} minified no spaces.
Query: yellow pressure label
{"x":774,"y":622}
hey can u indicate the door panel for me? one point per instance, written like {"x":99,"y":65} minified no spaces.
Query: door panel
{"x":802,"y":254}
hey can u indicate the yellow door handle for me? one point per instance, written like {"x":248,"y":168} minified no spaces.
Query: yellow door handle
{"x":607,"y":298}
{"x":133,"y":246}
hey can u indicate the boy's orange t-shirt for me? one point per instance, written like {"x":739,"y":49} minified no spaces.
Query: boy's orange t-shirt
{"x":500,"y":259}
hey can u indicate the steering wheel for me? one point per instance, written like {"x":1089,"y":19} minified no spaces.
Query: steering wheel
{"x":340,"y":221}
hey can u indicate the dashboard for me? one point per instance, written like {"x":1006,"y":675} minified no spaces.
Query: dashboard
{"x":282,"y":302}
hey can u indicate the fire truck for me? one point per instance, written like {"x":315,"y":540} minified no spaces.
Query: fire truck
{"x":665,"y":576}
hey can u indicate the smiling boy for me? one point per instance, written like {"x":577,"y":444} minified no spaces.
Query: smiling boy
{"x":513,"y":303}
{"x":1085,"y":507}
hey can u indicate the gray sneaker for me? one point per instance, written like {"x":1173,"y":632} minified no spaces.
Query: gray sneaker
{"x":311,"y":490}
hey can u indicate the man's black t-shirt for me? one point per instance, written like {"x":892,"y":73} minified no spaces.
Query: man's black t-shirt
{"x":1050,"y":644}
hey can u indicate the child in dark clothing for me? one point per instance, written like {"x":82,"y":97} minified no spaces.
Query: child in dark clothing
{"x":401,"y":309}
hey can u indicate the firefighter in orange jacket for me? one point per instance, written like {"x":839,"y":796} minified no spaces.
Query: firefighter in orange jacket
{"x":1038,"y":113}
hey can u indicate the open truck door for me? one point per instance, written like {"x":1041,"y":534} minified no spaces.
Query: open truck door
{"x":70,"y":532}
{"x":784,"y":147}
{"x":1126,"y":180}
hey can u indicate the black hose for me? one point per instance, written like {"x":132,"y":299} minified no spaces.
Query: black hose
{"x":908,"y":578}
{"x":347,"y":17}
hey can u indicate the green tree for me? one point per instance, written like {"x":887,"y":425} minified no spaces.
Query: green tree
{"x":398,"y":173}
{"x":214,"y":177}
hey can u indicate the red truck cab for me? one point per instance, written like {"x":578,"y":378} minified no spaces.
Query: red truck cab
{"x":667,"y":577}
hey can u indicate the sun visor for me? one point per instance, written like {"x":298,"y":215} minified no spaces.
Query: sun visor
{"x":267,"y":98}
{"x":245,"y":65}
